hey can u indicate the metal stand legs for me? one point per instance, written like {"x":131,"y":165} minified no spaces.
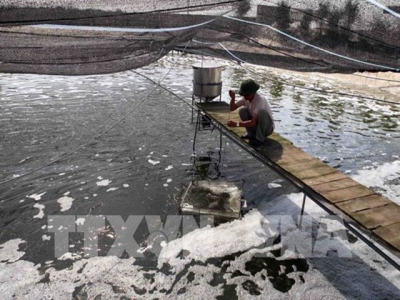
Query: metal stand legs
{"x":302,"y":209}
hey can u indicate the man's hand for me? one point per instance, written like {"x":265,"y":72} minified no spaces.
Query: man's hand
{"x":232,"y":94}
{"x":232,"y":123}
{"x":232,"y":104}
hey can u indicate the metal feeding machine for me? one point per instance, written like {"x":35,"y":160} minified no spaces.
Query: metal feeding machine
{"x":207,"y":194}
{"x":207,"y":86}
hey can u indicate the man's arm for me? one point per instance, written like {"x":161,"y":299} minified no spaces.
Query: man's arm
{"x":249,"y":123}
{"x":232,"y":104}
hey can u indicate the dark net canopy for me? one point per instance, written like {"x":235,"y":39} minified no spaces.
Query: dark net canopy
{"x":87,"y":37}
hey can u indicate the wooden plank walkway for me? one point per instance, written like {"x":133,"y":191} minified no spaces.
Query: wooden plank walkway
{"x":372,"y":213}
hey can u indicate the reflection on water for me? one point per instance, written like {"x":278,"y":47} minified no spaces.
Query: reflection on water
{"x":276,"y":89}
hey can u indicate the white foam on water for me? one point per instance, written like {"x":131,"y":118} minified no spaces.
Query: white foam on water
{"x":169,"y":180}
{"x":21,"y":161}
{"x":80,"y":221}
{"x":273,"y":185}
{"x":125,"y":185}
{"x":9,"y":251}
{"x":112,"y":189}
{"x":70,"y":256}
{"x":46,"y":237}
{"x":104,"y":182}
{"x":169,"y":168}
{"x":36,"y":197}
{"x":321,"y":281}
{"x":41,"y":207}
{"x":65,"y":203}
{"x":66,"y":193}
{"x":385,"y":177}
{"x":153,"y":162}
{"x":238,"y":235}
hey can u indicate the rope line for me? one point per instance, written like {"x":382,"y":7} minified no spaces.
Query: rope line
{"x":376,"y":3}
{"x":313,"y":46}
{"x":118,"y":29}
{"x":234,"y":56}
{"x":273,"y":49}
{"x":164,"y":88}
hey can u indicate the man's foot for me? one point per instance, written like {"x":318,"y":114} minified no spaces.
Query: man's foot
{"x":256,"y":143}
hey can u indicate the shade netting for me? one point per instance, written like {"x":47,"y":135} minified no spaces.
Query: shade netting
{"x":90,"y":37}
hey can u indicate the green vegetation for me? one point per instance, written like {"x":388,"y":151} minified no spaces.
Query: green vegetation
{"x":283,"y":19}
{"x":305,"y":23}
{"x":243,"y":7}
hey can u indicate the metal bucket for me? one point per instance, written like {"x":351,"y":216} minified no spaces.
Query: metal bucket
{"x":207,"y":80}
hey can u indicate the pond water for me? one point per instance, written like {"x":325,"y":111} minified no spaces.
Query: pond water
{"x":137,"y":160}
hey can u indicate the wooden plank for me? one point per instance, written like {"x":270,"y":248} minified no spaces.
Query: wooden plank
{"x":390,"y":234}
{"x":219,"y":111}
{"x":291,"y":155}
{"x":379,"y":216}
{"x":223,"y":118}
{"x":316,"y":172}
{"x":363,"y":203}
{"x":271,"y":145}
{"x":347,"y":193}
{"x":309,"y":163}
{"x":335,"y":185}
{"x":239,"y":131}
{"x":210,"y":106}
{"x":326,"y":178}
{"x":278,"y":138}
